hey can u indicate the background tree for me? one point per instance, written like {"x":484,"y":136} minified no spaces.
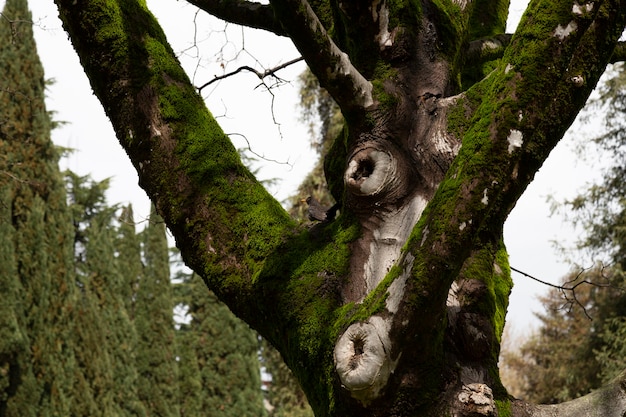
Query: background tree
{"x":156,"y":349}
{"x":397,"y":306}
{"x":37,"y":355}
{"x":224,"y":350}
{"x":128,"y":246}
{"x":579,"y":344}
{"x":104,"y":280}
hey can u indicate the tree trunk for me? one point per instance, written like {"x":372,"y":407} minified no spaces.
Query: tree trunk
{"x":395,"y":308}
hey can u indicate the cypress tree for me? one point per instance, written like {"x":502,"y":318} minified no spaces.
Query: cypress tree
{"x":42,"y":233}
{"x":156,"y":355}
{"x":225,"y":354}
{"x":128,"y":245}
{"x":15,"y":369}
{"x":110,"y":337}
{"x":190,"y":381}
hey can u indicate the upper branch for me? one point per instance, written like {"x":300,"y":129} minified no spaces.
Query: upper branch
{"x":330,"y":65}
{"x":242,"y":12}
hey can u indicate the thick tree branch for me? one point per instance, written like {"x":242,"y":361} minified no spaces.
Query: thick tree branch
{"x":607,"y":401}
{"x":351,"y":91}
{"x":487,"y":49}
{"x":501,"y":153}
{"x":619,"y":54}
{"x":242,"y":12}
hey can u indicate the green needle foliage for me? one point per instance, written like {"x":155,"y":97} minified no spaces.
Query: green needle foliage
{"x":156,"y":350}
{"x":36,"y":235}
{"x":220,"y":356}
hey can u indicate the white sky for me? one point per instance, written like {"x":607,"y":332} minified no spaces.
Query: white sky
{"x":242,"y":109}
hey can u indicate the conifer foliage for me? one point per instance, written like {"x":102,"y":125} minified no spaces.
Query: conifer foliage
{"x":86,"y":313}
{"x":36,"y":351}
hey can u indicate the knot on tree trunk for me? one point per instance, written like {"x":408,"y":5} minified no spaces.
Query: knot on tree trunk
{"x":370,"y":171}
{"x":475,"y":400}
{"x":377,"y":175}
{"x":362,"y":358}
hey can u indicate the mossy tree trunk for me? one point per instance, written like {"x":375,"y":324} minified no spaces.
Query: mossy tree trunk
{"x":397,"y":306}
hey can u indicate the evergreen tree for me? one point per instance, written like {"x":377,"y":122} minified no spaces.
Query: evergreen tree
{"x":15,"y":369}
{"x":578,"y":345}
{"x":190,"y":381}
{"x":128,"y":245}
{"x":111,"y":337}
{"x":285,"y":395}
{"x":224,"y":359}
{"x":35,"y":204}
{"x":156,"y":353}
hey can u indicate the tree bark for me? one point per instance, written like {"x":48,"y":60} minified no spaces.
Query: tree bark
{"x":396,"y":308}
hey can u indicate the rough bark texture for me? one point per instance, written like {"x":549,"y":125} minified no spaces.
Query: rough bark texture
{"x":395,"y":308}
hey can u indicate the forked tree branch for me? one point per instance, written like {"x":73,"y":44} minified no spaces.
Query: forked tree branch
{"x":259,"y":74}
{"x":607,"y":401}
{"x":242,"y":12}
{"x":568,"y":289}
{"x":330,"y":65}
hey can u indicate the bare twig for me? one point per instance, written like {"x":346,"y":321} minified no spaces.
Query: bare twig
{"x":261,"y":75}
{"x":568,"y":289}
{"x":263,"y":157}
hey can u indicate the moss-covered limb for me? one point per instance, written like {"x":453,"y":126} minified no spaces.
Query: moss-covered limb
{"x":528,"y":104}
{"x":477,"y":307}
{"x":222,"y":218}
{"x":488,"y":17}
{"x":482,"y":57}
{"x":242,"y":12}
{"x":619,"y":54}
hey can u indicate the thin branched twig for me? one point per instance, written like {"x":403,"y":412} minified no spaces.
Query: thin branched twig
{"x":260,"y":74}
{"x":568,"y":288}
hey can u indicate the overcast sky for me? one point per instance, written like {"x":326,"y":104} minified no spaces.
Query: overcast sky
{"x":269,"y":121}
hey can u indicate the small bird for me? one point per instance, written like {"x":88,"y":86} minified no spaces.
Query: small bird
{"x":317,"y":212}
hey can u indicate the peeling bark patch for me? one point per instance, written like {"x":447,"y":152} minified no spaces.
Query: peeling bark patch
{"x":396,"y":289}
{"x":562,"y":32}
{"x":485,"y":199}
{"x":515,"y":139}
{"x":388,"y":239}
{"x":476,"y":400}
{"x":380,"y":13}
{"x":580,"y":10}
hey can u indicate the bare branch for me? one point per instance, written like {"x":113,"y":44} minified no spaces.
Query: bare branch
{"x":330,"y":65}
{"x":261,"y":75}
{"x":568,"y":289}
{"x":241,"y":12}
